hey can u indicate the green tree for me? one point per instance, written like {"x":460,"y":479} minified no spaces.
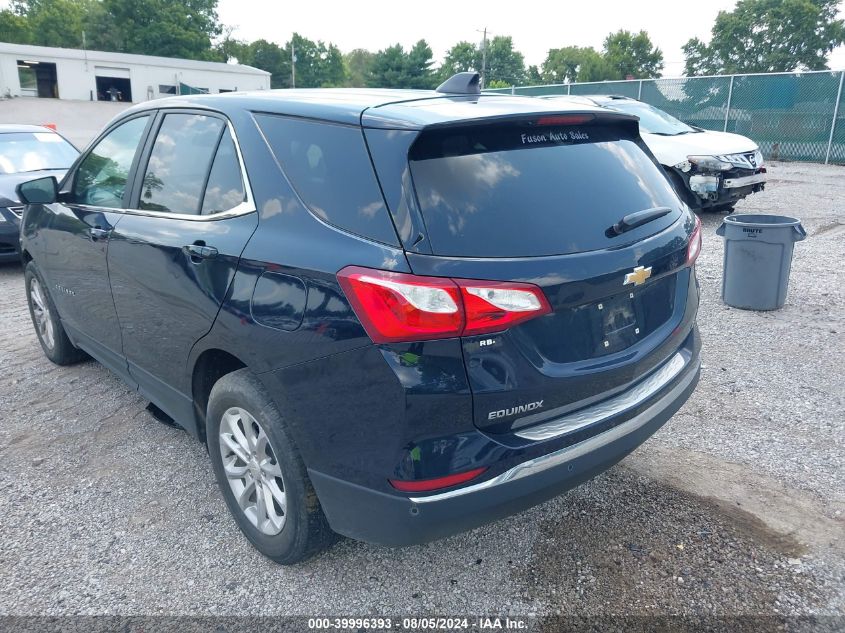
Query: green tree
{"x":596,"y":68}
{"x":271,"y":57}
{"x":575,"y":63}
{"x":420,"y":59}
{"x":171,"y":28}
{"x":768,"y":36}
{"x":14,"y":28}
{"x":462,"y":57}
{"x":317,"y":64}
{"x":632,"y":54}
{"x":358,"y":63}
{"x":699,"y":59}
{"x":230,"y":48}
{"x":533,"y":76}
{"x":393,"y":68}
{"x":504,"y":62}
{"x":387,"y":69}
{"x":48,"y":22}
{"x":333,"y":70}
{"x":498,"y":83}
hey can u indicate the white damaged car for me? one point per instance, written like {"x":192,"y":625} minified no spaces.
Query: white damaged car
{"x":710,"y":170}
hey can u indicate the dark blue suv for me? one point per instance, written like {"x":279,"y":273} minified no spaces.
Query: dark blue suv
{"x":391,"y":315}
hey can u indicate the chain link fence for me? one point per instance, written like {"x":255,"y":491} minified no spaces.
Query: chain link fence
{"x":791,"y":116}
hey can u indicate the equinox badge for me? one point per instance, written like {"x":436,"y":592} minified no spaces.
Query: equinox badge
{"x":638,"y":276}
{"x":523,"y":408}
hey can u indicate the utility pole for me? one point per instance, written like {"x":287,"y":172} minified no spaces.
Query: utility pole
{"x":484,"y":59}
{"x":292,"y":65}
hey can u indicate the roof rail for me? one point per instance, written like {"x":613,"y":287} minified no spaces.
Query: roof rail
{"x":467,"y":83}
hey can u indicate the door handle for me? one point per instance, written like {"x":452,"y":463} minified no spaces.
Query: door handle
{"x":97,"y":233}
{"x":199,"y":252}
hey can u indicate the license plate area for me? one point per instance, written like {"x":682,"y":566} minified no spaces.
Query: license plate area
{"x":616,"y":322}
{"x":619,"y":321}
{"x":579,"y":332}
{"x":622,"y":320}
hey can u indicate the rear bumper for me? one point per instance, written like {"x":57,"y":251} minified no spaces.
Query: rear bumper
{"x":376,"y":517}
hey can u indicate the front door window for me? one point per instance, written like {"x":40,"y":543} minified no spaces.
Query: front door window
{"x":102,"y":175}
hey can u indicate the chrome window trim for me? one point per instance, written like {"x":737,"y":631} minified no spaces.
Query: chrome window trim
{"x":564,"y":455}
{"x":242,"y":208}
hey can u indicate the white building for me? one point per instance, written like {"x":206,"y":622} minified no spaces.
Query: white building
{"x":65,"y":73}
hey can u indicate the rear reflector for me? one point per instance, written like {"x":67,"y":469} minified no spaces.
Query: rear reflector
{"x":694,"y":247}
{"x":427,"y":485}
{"x":396,"y":307}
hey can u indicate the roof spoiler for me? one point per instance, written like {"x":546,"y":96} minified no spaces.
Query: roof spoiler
{"x":468,"y":83}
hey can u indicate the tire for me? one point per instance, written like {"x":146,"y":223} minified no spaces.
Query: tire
{"x":288,"y":533}
{"x":45,"y":319}
{"x":723,"y":208}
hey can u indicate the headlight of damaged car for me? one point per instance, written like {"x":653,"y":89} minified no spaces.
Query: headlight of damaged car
{"x":709,"y":163}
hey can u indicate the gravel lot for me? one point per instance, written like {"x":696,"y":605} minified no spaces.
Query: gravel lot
{"x":734,"y":508}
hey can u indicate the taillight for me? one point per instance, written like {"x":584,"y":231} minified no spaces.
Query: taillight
{"x":395,"y":307}
{"x":694,"y":246}
{"x":493,"y":306}
{"x":427,"y":485}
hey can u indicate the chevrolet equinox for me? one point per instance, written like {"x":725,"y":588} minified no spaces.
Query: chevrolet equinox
{"x":391,"y":315}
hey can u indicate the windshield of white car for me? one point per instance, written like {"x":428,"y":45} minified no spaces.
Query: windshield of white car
{"x":652,"y":120}
{"x":34,"y":151}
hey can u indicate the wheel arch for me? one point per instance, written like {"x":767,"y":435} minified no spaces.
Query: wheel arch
{"x":209,"y":367}
{"x":681,"y":187}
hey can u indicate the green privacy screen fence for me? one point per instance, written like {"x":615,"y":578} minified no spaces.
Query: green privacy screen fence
{"x":791,"y":116}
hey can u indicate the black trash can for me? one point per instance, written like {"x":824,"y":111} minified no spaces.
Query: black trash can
{"x":758,"y":258}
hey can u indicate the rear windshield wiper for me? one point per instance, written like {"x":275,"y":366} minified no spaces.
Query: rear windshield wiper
{"x":638,"y":218}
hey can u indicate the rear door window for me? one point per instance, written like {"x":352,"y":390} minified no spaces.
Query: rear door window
{"x":225,"y":188}
{"x":330,"y":168}
{"x":179,"y":163}
{"x":522,"y":191}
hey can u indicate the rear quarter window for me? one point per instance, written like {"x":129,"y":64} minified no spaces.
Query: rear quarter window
{"x":329,"y":167}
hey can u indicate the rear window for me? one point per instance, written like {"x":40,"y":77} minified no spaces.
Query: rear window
{"x":330,"y":168}
{"x":521,"y":191}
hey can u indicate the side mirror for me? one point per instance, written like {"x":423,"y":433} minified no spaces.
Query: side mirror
{"x":40,"y":191}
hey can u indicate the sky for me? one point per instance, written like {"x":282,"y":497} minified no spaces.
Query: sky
{"x":535,"y":26}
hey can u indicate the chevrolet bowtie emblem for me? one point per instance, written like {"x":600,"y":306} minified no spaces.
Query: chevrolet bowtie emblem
{"x":638,"y":276}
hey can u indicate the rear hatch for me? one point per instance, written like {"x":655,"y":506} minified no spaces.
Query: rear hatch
{"x":541,"y":200}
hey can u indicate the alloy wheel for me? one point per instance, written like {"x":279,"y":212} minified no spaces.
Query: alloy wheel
{"x":41,"y":313}
{"x":253,"y":471}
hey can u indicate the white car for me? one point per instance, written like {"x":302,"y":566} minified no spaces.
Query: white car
{"x":710,"y":170}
